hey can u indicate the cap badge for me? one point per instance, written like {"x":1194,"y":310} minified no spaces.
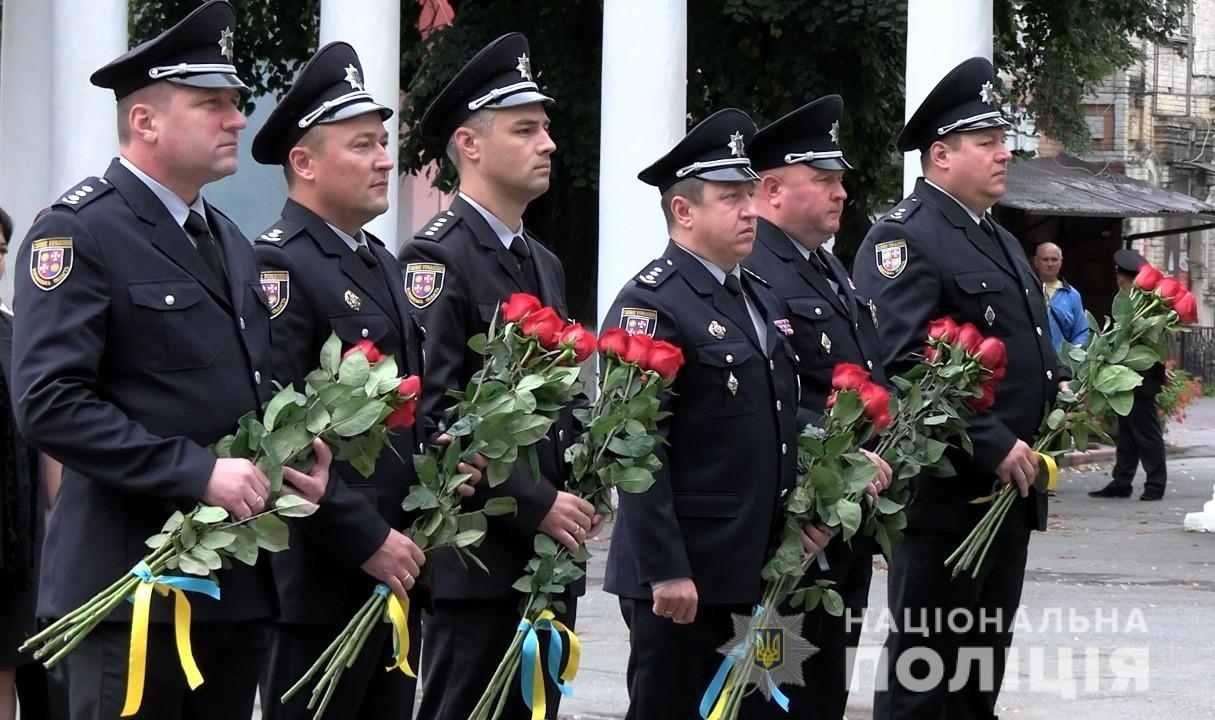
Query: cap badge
{"x":353,"y":77}
{"x":737,"y":148}
{"x":835,"y":132}
{"x":225,"y":43}
{"x":524,"y":67}
{"x":987,"y":93}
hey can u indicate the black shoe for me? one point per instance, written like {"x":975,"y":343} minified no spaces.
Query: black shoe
{"x":1112,"y":491}
{"x":1149,"y":495}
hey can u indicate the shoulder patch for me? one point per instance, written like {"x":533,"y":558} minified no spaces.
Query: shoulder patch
{"x":903,"y":210}
{"x":655,"y":273}
{"x":438,"y":226}
{"x":83,"y":194}
{"x":276,"y":286}
{"x":280,"y":232}
{"x":639,"y":321}
{"x":756,"y":277}
{"x":891,"y":257}
{"x":424,"y":282}
{"x":50,"y":261}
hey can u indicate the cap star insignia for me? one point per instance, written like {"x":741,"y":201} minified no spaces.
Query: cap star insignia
{"x":777,"y":649}
{"x":354,"y":301}
{"x":525,"y":67}
{"x":353,"y":77}
{"x":225,"y":43}
{"x":737,"y":148}
{"x":834,"y":132}
{"x":987,"y":93}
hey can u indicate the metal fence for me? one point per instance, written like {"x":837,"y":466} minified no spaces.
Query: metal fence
{"x":1196,"y":352}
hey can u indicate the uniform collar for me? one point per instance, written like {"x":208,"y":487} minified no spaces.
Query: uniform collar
{"x":718,"y":274}
{"x":171,"y":200}
{"x":945,"y":192}
{"x":505,"y":234}
{"x":351,"y":242}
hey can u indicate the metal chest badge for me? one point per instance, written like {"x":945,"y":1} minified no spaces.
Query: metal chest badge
{"x":50,"y":261}
{"x":717,"y":330}
{"x":354,"y":301}
{"x":276,"y":286}
{"x":732,"y":383}
{"x":826,"y":342}
{"x":990,"y":316}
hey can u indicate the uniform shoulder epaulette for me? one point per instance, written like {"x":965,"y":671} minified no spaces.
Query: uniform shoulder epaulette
{"x":438,"y":226}
{"x":656,"y":272}
{"x":757,"y":277}
{"x":84,"y":193}
{"x":280,"y":232}
{"x":903,"y":210}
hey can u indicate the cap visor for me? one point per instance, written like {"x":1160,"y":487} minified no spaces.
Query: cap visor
{"x":831,"y":164}
{"x":355,"y":109}
{"x":211,"y":80}
{"x":527,"y":97}
{"x":729,"y":175}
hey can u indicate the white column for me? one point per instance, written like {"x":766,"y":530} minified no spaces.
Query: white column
{"x":373,"y":28}
{"x":644,"y":103}
{"x":940,"y":34}
{"x":86,"y":34}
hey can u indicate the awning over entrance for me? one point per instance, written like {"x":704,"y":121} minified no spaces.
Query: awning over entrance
{"x":1064,"y":185}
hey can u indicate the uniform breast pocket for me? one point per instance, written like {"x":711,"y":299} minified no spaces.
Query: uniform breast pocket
{"x":176,"y":321}
{"x":353,"y":327}
{"x":814,"y":315}
{"x":979,"y":293}
{"x":720,"y":377}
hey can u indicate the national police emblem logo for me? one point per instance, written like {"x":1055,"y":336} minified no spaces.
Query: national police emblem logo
{"x":639,"y":321}
{"x":276,"y":286}
{"x":50,"y":262}
{"x":424,"y":282}
{"x":774,"y":644}
{"x":891,"y":257}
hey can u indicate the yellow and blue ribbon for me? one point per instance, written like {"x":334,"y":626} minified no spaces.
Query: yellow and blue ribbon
{"x":531,"y":676}
{"x":398,"y":616}
{"x":142,"y":598}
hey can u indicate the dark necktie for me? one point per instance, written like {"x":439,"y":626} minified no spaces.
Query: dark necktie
{"x":820,"y":264}
{"x":362,"y":252}
{"x":986,"y":226}
{"x":735,"y":288}
{"x":523,"y":260}
{"x":208,"y":248}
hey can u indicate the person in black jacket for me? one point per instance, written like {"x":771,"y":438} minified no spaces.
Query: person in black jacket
{"x":1140,"y":437}
{"x":687,"y":553}
{"x":938,"y":253}
{"x":458,"y":269}
{"x":800,"y":200}
{"x":141,"y":337}
{"x":322,"y":274}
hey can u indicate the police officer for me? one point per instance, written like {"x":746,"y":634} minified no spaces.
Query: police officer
{"x":799,"y":201}
{"x":322,"y":273}
{"x":688,"y":552}
{"x":940,"y":253}
{"x":458,"y":269}
{"x":141,"y":337}
{"x":1140,"y":437}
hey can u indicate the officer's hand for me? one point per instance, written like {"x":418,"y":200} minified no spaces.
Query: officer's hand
{"x":677,"y":601}
{"x":396,"y":564}
{"x":310,"y":486}
{"x":474,"y":469}
{"x":1065,"y":386}
{"x":1019,"y":466}
{"x":882,"y":476}
{"x":814,"y":537}
{"x":596,"y":525}
{"x":568,"y":520}
{"x":237,"y":486}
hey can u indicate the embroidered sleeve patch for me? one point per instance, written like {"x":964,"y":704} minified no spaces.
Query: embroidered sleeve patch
{"x":424,"y":283}
{"x":639,"y":321}
{"x":276,"y":286}
{"x":891,"y":257}
{"x":50,"y":261}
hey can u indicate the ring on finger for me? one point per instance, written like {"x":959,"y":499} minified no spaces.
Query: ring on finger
{"x":257,"y":500}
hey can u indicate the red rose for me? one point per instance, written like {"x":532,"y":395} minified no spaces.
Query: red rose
{"x":410,"y":387}
{"x":368,"y":349}
{"x":403,"y":416}
{"x":1148,"y":277}
{"x":930,"y":353}
{"x":638,"y":350}
{"x":545,"y":325}
{"x":998,"y":374}
{"x":849,"y":376}
{"x":665,"y":359}
{"x":943,"y":328}
{"x":1170,"y":289}
{"x":578,"y":339}
{"x":984,"y":402}
{"x":969,"y":338}
{"x":831,"y":398}
{"x":991,"y":353}
{"x":614,"y":342}
{"x":881,"y":422}
{"x":518,"y":306}
{"x":1186,"y":308}
{"x":876,"y":401}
